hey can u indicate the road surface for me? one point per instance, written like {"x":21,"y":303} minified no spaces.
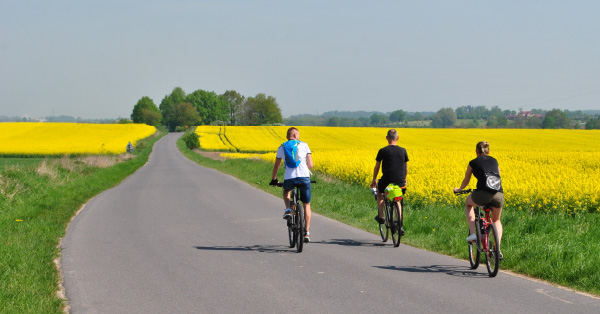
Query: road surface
{"x":176,"y":237}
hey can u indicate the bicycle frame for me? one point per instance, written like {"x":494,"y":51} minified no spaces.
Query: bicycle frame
{"x":484,"y":221}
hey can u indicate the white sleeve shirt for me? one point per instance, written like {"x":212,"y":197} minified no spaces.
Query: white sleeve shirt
{"x":302,"y":170}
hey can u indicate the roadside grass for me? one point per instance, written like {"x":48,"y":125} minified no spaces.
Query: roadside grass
{"x":557,"y":248}
{"x":38,"y":198}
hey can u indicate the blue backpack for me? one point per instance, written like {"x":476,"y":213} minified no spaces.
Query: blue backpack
{"x":290,"y":149}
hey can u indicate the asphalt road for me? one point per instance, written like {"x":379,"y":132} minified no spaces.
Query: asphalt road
{"x":176,"y":237}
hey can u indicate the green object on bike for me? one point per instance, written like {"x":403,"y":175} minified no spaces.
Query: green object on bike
{"x":392,"y":192}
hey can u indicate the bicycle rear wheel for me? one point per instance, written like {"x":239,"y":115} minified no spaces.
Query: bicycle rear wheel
{"x":475,"y":248}
{"x":300,"y":225}
{"x":492,"y":254}
{"x":395,"y":223}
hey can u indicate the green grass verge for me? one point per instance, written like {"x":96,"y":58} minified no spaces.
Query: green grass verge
{"x":38,"y":198}
{"x":553,"y":247}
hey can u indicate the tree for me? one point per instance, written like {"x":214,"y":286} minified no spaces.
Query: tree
{"x":235,"y":103}
{"x":533,"y":122}
{"x":333,"y":121}
{"x":151,"y":117}
{"x":556,"y":119}
{"x":210,"y":106}
{"x":262,"y":109}
{"x":378,"y":119}
{"x":167,"y":106}
{"x":185,"y":114}
{"x":444,"y":118}
{"x":398,"y":116}
{"x":593,"y":123}
{"x":152,"y":112}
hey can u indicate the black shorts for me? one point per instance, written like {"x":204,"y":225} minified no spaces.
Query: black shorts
{"x":482,"y":197}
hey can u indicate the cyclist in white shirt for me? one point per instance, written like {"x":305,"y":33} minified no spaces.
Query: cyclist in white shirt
{"x":298,"y":162}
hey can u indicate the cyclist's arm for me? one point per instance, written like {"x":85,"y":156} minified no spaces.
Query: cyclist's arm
{"x":276,"y":168}
{"x":309,"y":161}
{"x":466,"y":180}
{"x":375,"y":173}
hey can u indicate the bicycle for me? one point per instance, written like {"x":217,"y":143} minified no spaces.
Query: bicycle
{"x":297,"y":224}
{"x":393,"y":217}
{"x":487,"y":239}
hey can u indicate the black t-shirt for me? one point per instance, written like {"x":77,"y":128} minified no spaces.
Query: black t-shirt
{"x":481,"y":165}
{"x":393,"y":160}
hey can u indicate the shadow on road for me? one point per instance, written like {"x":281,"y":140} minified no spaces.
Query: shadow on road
{"x":351,"y":242}
{"x":451,"y":270}
{"x":253,"y":248}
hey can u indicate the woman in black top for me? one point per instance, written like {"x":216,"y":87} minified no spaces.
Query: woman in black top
{"x":483,"y":195}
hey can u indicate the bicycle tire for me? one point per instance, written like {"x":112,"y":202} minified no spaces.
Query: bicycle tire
{"x":492,"y":254}
{"x":300,"y":225}
{"x":395,"y":224}
{"x":383,"y":229}
{"x":291,"y":234}
{"x":475,"y":248}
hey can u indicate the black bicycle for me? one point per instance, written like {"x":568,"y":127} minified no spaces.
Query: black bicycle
{"x":487,"y":239}
{"x":297,"y":224}
{"x":393,"y":221}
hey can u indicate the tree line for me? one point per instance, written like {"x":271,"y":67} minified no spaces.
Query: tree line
{"x":461,"y":117}
{"x":178,"y":109}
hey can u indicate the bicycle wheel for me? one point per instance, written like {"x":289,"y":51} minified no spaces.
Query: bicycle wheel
{"x":492,"y":254}
{"x":395,"y":223}
{"x":300,"y":225}
{"x":291,"y":232}
{"x":383,"y":229}
{"x":474,"y":248}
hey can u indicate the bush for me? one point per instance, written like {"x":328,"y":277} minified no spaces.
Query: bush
{"x":192,"y":140}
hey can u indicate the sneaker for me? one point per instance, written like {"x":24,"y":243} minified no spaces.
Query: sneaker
{"x":306,"y":237}
{"x":380,"y":220}
{"x":288,"y":214}
{"x":401,"y":233}
{"x":500,"y":256}
{"x":472,"y":238}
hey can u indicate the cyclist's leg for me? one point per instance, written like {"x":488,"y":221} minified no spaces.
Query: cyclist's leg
{"x":470,"y":214}
{"x":381,"y":185}
{"x":497,"y":203}
{"x":286,"y":198}
{"x":496,"y":213}
{"x":305,"y":196}
{"x":307,"y":215}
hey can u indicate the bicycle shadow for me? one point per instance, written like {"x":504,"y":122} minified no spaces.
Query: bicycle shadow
{"x":352,"y":242}
{"x":250,"y":248}
{"x":452,"y":270}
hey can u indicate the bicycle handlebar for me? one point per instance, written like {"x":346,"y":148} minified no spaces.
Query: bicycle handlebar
{"x":464,"y":192}
{"x":280,"y":184}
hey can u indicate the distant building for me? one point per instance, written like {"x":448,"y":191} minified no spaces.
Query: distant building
{"x":524,"y":114}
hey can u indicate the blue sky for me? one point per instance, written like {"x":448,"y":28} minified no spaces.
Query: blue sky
{"x":96,"y":59}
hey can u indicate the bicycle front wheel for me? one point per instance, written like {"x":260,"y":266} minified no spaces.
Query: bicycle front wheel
{"x":291,"y":237}
{"x":395,"y":223}
{"x":475,"y":247}
{"x":300,"y":226}
{"x":492,"y":254}
{"x":383,"y":227}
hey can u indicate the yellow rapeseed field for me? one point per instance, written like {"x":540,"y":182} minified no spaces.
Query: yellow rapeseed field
{"x":542,"y":170}
{"x":30,"y":138}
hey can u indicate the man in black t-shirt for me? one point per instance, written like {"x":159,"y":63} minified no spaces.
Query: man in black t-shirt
{"x":392,"y":160}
